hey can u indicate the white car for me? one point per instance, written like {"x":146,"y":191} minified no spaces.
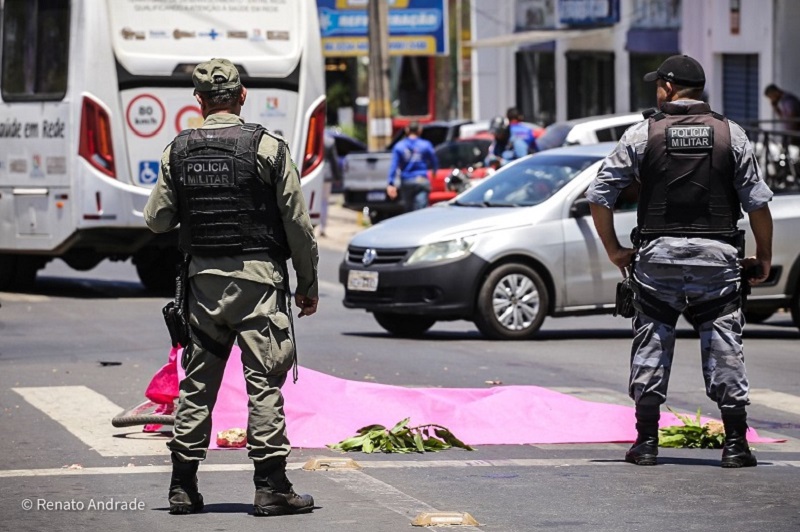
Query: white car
{"x":520,"y":246}
{"x":589,"y":130}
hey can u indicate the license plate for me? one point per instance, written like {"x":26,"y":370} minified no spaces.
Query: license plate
{"x":362,"y":281}
{"x":377,"y":195}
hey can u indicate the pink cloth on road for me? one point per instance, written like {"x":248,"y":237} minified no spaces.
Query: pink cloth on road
{"x":322,"y":409}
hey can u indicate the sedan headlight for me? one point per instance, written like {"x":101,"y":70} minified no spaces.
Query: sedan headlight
{"x":451,"y":249}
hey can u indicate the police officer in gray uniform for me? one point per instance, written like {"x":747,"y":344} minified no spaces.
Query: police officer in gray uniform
{"x":234,"y":190}
{"x":696,"y":171}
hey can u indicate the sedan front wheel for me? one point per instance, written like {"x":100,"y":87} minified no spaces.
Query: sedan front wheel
{"x":512,"y":303}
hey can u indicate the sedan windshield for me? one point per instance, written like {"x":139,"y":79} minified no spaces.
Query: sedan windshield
{"x":526,"y":183}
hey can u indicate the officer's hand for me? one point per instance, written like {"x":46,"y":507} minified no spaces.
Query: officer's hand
{"x":622,"y":258}
{"x":391,"y":191}
{"x":307,"y":305}
{"x":755,"y":270}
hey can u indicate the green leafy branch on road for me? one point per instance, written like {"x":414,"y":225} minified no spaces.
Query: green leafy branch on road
{"x":692,"y":434}
{"x":401,"y":439}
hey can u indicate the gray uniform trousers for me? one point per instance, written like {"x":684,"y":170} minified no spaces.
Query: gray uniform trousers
{"x":255,"y":314}
{"x":720,"y":339}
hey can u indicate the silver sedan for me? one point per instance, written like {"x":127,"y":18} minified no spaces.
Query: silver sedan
{"x":517,"y":247}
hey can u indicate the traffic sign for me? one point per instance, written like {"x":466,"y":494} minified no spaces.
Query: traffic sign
{"x":145,"y":115}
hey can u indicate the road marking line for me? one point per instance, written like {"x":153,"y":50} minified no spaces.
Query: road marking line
{"x":385,"y":495}
{"x":378,"y":464}
{"x":776,"y":400}
{"x":765,"y":398}
{"x":12,"y":297}
{"x":596,"y":395}
{"x":87,"y":415}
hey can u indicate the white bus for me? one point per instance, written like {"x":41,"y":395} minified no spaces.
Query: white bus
{"x":93,"y":90}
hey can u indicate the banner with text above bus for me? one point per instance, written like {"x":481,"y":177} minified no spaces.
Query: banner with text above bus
{"x":416,"y":27}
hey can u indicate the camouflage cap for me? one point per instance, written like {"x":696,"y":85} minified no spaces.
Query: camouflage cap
{"x":215,"y":75}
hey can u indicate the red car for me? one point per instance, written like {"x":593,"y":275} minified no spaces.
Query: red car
{"x":467,"y":155}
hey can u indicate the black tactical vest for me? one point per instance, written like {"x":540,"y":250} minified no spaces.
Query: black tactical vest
{"x":687,"y":174}
{"x":225,"y":207}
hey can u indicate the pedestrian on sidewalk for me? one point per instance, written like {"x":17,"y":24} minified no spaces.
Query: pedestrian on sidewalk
{"x":786,"y":105}
{"x":412,"y":158}
{"x":234,"y":190}
{"x":332,"y":173}
{"x":697,"y":172}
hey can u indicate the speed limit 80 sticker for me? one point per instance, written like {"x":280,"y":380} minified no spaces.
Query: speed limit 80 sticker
{"x":145,"y":115}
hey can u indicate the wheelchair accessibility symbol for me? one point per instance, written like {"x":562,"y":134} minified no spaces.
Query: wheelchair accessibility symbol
{"x":148,"y":172}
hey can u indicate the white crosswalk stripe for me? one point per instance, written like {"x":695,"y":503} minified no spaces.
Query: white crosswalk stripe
{"x":776,"y":400}
{"x":67,"y":405}
{"x":783,"y":402}
{"x":11,"y":297}
{"x":763,"y":397}
{"x":87,"y":415}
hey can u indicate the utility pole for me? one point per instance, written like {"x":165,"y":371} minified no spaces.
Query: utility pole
{"x":379,"y":114}
{"x":459,"y":53}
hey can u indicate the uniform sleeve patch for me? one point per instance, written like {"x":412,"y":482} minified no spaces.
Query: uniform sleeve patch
{"x":690,"y":138}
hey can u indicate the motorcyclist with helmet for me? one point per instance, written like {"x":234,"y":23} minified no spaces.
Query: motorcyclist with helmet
{"x":505,"y":147}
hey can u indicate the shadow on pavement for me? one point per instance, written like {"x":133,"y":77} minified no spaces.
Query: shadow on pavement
{"x":87,"y":288}
{"x":777,"y":331}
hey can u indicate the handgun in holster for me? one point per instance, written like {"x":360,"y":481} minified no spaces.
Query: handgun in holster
{"x":176,"y":312}
{"x":623,"y":305}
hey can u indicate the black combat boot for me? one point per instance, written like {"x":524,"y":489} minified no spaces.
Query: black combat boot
{"x":183,"y":495}
{"x":274,"y":493}
{"x":736,"y":452}
{"x":645,"y":449}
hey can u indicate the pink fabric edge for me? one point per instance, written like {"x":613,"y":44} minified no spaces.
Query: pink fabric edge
{"x":322,"y":409}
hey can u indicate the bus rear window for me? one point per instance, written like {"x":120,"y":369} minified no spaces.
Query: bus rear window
{"x":35,"y":50}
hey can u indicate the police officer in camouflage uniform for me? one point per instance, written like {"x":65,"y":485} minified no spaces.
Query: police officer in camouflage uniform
{"x":235,"y":191}
{"x":696,"y":171}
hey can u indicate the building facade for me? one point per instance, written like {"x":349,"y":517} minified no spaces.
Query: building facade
{"x":563,"y":59}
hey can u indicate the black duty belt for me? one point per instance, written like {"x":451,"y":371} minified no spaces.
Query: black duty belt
{"x":735,"y":239}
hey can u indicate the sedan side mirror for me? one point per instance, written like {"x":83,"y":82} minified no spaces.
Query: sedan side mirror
{"x":580,"y":208}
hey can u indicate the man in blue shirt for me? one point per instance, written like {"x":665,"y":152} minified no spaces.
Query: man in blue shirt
{"x":519,"y":130}
{"x":412,"y":157}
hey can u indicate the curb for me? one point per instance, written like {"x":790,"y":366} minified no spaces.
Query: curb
{"x":342,"y":225}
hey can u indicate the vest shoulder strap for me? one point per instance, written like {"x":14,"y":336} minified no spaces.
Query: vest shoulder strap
{"x":251,"y":135}
{"x":180,"y":143}
{"x":279,"y":162}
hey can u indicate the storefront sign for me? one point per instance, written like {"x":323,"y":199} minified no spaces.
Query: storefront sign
{"x":416,"y":27}
{"x":660,"y":14}
{"x":588,"y":12}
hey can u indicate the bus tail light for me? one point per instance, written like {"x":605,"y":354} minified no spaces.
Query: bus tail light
{"x":315,"y":142}
{"x":95,"y":141}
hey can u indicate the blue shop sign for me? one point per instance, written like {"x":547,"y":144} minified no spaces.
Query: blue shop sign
{"x":588,"y":12}
{"x":416,"y":27}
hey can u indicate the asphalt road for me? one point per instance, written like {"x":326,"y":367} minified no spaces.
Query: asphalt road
{"x":98,"y":336}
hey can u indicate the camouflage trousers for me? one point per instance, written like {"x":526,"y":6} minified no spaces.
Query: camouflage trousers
{"x":224,"y":309}
{"x":679,"y":286}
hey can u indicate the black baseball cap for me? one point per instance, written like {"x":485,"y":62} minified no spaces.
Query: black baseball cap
{"x":681,"y":70}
